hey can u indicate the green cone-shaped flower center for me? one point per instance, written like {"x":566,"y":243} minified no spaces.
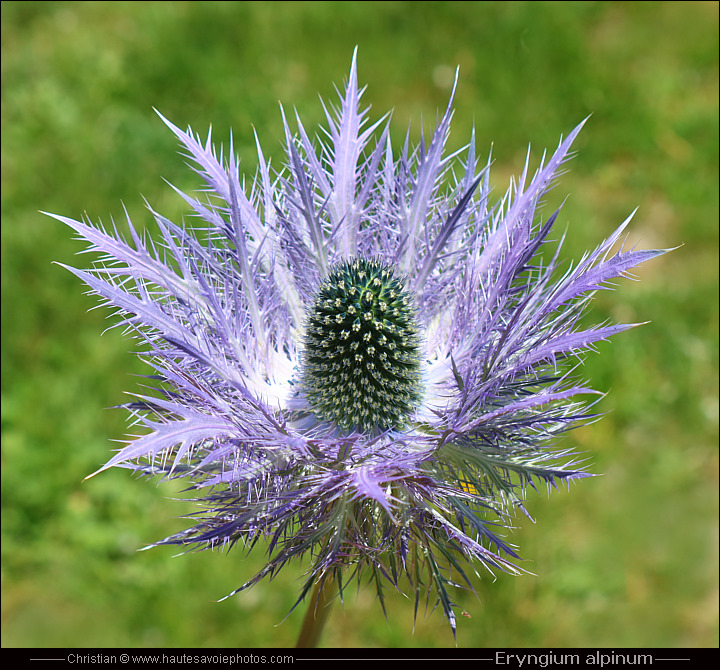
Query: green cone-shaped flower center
{"x":361,"y":365}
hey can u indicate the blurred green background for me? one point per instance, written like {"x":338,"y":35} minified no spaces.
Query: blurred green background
{"x":626,"y":559}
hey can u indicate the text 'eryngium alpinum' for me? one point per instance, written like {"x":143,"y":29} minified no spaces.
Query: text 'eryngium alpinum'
{"x":358,"y":358}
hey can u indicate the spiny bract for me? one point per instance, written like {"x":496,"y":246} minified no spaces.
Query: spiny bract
{"x":359,"y":359}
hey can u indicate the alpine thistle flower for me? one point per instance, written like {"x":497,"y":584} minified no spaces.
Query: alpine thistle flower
{"x":357,"y":359}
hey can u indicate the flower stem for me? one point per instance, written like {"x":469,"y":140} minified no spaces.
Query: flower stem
{"x":316,"y":615}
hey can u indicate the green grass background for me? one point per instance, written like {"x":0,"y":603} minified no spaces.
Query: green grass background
{"x":623,"y":560}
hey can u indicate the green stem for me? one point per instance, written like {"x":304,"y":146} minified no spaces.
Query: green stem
{"x":317,"y":614}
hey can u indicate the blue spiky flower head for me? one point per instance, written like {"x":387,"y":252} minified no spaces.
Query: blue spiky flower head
{"x":358,"y":358}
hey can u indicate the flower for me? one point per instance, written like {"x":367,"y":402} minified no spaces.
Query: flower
{"x":358,"y":358}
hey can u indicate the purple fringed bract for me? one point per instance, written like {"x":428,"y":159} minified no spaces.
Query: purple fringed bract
{"x":221,"y":306}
